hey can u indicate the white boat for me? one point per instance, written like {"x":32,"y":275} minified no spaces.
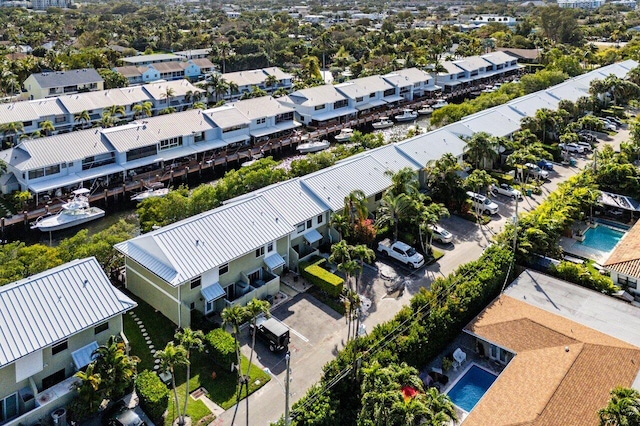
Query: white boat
{"x":155,"y":189}
{"x":439,"y":104}
{"x":407,"y":115}
{"x":313,"y":146}
{"x":74,"y":212}
{"x":425,"y":110}
{"x":383,"y":123}
{"x":344,"y":135}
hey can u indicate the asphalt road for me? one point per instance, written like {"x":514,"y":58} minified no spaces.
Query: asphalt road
{"x":318,"y":333}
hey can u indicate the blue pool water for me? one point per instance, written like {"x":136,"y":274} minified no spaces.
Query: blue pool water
{"x":602,"y":238}
{"x":469,"y":389}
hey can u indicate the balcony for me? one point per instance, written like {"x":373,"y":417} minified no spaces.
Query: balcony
{"x":45,"y":402}
{"x":258,"y":285}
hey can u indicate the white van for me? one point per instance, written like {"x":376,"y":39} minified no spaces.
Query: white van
{"x":482,"y":203}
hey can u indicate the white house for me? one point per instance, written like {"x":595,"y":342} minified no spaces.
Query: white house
{"x":317,"y":105}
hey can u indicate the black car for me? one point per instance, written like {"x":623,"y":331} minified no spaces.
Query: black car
{"x":121,"y":415}
{"x":272,"y":332}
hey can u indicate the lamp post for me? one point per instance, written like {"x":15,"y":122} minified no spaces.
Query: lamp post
{"x":285,"y":387}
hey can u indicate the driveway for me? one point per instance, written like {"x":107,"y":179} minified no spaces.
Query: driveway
{"x":318,"y":332}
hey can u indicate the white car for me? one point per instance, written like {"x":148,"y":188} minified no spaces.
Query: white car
{"x":440,"y":234}
{"x":571,"y":147}
{"x":504,"y":189}
{"x":586,"y":146}
{"x":482,"y":203}
{"x":536,"y":171}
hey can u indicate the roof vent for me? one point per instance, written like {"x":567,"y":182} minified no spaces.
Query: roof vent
{"x":197,"y":243}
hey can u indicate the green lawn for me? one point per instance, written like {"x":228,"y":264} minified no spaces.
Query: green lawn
{"x":221,"y":390}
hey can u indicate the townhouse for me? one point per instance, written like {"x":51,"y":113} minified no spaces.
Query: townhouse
{"x":476,"y":69}
{"x":195,"y":265}
{"x":267,"y":79}
{"x":64,"y":111}
{"x":268,"y":117}
{"x":411,"y":83}
{"x":368,"y":93}
{"x":51,"y":324}
{"x":192,"y":69}
{"x":48,"y":84}
{"x":319,"y":105}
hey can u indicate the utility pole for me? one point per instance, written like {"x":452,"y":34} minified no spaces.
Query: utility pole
{"x":287,"y":420}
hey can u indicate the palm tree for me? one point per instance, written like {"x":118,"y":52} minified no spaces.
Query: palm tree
{"x":340,"y":223}
{"x":481,"y":149}
{"x":168,"y":94}
{"x":404,"y":181}
{"x":167,"y":110}
{"x":171,"y":357}
{"x":107,"y":120}
{"x":252,"y":310}
{"x":189,"y":340}
{"x":362,"y":254}
{"x":355,"y":206}
{"x":47,"y":127}
{"x":224,"y":49}
{"x":142,"y":109}
{"x":623,"y":408}
{"x":88,"y":389}
{"x":117,"y":110}
{"x":115,"y":367}
{"x":10,"y":130}
{"x":441,"y":411}
{"x":271,"y":81}
{"x":82,"y":117}
{"x":235,"y":316}
{"x":392,"y":210}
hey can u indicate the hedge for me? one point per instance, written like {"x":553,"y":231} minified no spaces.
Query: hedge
{"x":153,"y":394}
{"x":222,"y":346}
{"x":321,"y":278}
{"x":502,"y":177}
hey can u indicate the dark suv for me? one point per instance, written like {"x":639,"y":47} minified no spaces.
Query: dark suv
{"x":272,"y":332}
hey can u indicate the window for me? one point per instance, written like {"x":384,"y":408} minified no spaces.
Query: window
{"x":27,"y":123}
{"x":389,"y":92}
{"x":52,"y":170}
{"x":372,"y":95}
{"x":146,"y":151}
{"x":198,"y":137}
{"x":627,"y":282}
{"x":53,"y":379}
{"x":196,"y":282}
{"x":63,"y":165}
{"x":192,"y":306}
{"x":170,"y":143}
{"x":319,"y":219}
{"x":260,"y":252}
{"x":60,"y":119}
{"x":300,"y":227}
{"x":35,"y":174}
{"x":319,"y":107}
{"x":359,"y":99}
{"x":261,"y":120}
{"x":270,"y":247}
{"x":59,"y":347}
{"x":223,"y":269}
{"x":340,"y":104}
{"x":9,"y":407}
{"x":378,"y":196}
{"x":309,"y":223}
{"x":101,"y":328}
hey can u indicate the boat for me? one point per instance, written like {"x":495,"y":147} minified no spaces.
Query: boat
{"x":425,"y":110}
{"x":344,"y":135}
{"x":313,"y":146}
{"x":155,"y":189}
{"x":73,"y":213}
{"x":382,"y":123}
{"x":407,"y":115}
{"x":440,"y":103}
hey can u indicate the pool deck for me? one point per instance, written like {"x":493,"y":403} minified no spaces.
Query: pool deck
{"x":573,"y":247}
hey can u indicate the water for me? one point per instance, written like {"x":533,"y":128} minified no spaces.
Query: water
{"x":471,"y":387}
{"x":602,"y":238}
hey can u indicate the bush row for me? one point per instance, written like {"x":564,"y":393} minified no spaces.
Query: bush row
{"x":153,"y":394}
{"x":321,"y":278}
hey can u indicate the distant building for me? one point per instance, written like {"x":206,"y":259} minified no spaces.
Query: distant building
{"x":43,"y":4}
{"x":580,"y":4}
{"x":150,"y":59}
{"x":488,"y":19}
{"x":193,"y":53}
{"x":50,"y":84}
{"x":193,"y":69}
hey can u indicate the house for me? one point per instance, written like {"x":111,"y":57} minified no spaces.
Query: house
{"x":195,"y":265}
{"x":45,"y":4}
{"x":267,"y":79}
{"x":564,"y":346}
{"x":411,"y":83}
{"x":48,"y":84}
{"x":368,"y":93}
{"x":448,"y":77}
{"x":268,"y":118}
{"x":522,"y":55}
{"x":580,"y":4}
{"x":155,"y":58}
{"x":193,"y":53}
{"x":51,"y":323}
{"x":624,"y":262}
{"x":319,"y":105}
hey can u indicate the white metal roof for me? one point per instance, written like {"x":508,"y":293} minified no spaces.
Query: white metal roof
{"x":432,"y":146}
{"x":61,"y":148}
{"x":333,"y":184}
{"x":51,"y":306}
{"x":263,"y":106}
{"x":277,"y":73}
{"x":158,"y":90}
{"x":140,"y":59}
{"x":392,"y":158}
{"x":47,"y":107}
{"x":17,"y":111}
{"x":364,"y":86}
{"x":408,"y":76}
{"x":499,"y":121}
{"x":319,"y":95}
{"x":472,"y":63}
{"x":246,"y":78}
{"x":451,"y":68}
{"x":186,"y":249}
{"x":498,"y":57}
{"x":226,"y":116}
{"x":528,"y":105}
{"x":154,"y":129}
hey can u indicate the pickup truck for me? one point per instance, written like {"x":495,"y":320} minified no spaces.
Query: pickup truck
{"x":402,"y":252}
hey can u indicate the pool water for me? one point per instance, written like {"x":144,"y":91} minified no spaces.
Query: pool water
{"x":602,"y":238}
{"x":471,"y":387}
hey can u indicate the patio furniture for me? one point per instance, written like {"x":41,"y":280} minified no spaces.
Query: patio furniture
{"x":460,"y":357}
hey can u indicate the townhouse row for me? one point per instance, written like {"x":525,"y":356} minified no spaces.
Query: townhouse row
{"x":231,"y":254}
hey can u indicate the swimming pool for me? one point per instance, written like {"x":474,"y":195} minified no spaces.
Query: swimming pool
{"x":602,"y":238}
{"x":471,"y":387}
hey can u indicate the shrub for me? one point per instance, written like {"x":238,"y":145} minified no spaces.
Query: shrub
{"x":321,"y":278}
{"x":502,"y":177}
{"x":153,"y":394}
{"x":582,"y":275}
{"x":222,"y":346}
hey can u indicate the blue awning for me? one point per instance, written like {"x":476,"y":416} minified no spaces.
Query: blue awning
{"x":274,"y":261}
{"x":212,"y":292}
{"x":312,"y":236}
{"x":83,"y":356}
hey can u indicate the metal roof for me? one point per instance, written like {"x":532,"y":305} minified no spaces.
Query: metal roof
{"x":61,"y":148}
{"x":67,"y":78}
{"x":17,"y":111}
{"x":208,"y":240}
{"x":173,"y":66}
{"x":472,"y":63}
{"x":278,"y":73}
{"x":498,"y":57}
{"x":408,"y":76}
{"x":432,"y":146}
{"x":140,"y":59}
{"x":392,"y":158}
{"x":528,"y":105}
{"x":319,"y":95}
{"x":263,"y":106}
{"x":360,"y":87}
{"x":128,"y":71}
{"x":47,"y":107}
{"x":246,"y":78}
{"x":499,"y":121}
{"x":293,"y":200}
{"x":158,"y":90}
{"x":226,"y":116}
{"x":154,"y":129}
{"x":333,"y":184}
{"x":52,"y":306}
